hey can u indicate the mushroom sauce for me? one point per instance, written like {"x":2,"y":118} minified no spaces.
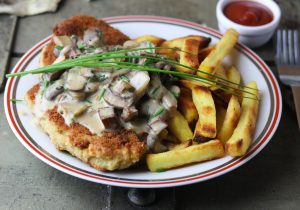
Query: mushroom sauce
{"x":107,"y":99}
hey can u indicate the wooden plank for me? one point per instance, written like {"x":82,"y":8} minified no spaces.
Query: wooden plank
{"x":7,"y":30}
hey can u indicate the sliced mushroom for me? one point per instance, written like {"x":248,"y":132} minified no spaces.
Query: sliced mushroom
{"x":121,"y":86}
{"x":79,"y":96}
{"x":157,"y":126}
{"x":169,"y":101}
{"x":54,"y":90}
{"x":91,"y":37}
{"x":130,"y":44}
{"x":117,"y":101}
{"x":108,"y":117}
{"x":91,"y":87}
{"x":62,"y":40}
{"x":129,"y":113}
{"x":175,"y":90}
{"x":149,"y":107}
{"x":75,"y":81}
{"x":140,"y":81}
{"x":51,"y":76}
{"x":150,"y":141}
{"x":86,"y":72}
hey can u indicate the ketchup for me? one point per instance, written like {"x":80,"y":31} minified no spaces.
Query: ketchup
{"x":248,"y":13}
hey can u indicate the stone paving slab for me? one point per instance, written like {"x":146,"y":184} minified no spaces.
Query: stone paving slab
{"x":7,"y":29}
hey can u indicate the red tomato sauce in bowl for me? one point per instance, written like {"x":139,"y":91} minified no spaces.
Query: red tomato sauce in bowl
{"x":248,"y":13}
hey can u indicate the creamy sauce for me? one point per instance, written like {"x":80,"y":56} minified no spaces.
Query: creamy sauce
{"x":91,"y":121}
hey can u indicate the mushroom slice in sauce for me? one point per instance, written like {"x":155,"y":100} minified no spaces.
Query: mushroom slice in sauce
{"x":140,"y":81}
{"x":117,"y":101}
{"x":91,"y":87}
{"x":62,"y":40}
{"x":54,"y":90}
{"x":75,"y":81}
{"x":77,"y":96}
{"x":169,"y":101}
{"x":91,"y":37}
{"x":108,"y":117}
{"x":157,"y":126}
{"x":120,"y":86}
{"x":129,"y":113}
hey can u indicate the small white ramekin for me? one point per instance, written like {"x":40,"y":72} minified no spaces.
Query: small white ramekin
{"x":252,"y":36}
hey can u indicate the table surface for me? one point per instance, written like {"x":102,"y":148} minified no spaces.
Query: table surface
{"x":269,"y":181}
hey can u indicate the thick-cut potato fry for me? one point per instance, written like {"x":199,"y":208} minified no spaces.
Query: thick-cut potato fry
{"x":186,"y":105}
{"x":178,"y":43}
{"x":189,"y":83}
{"x":183,"y":145}
{"x":233,"y":75}
{"x":206,"y":125}
{"x":221,"y":113}
{"x":179,"y":126}
{"x":205,"y":52}
{"x":153,"y":39}
{"x":223,"y":48}
{"x":192,"y":154}
{"x":231,"y":119}
{"x":221,"y":73}
{"x":189,"y":55}
{"x":240,"y":141}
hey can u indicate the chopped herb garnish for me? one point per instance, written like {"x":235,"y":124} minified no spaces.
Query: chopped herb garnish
{"x":101,"y":94}
{"x":14,"y":101}
{"x":155,"y":90}
{"x":59,"y":47}
{"x":175,"y":94}
{"x":80,"y":46}
{"x":45,"y":86}
{"x":158,"y":112}
{"x":124,"y":78}
{"x":91,"y":49}
{"x":100,"y":76}
{"x":100,"y":34}
{"x":88,"y":101}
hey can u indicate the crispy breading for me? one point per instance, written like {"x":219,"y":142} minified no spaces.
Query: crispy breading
{"x":76,"y":25}
{"x":111,"y":150}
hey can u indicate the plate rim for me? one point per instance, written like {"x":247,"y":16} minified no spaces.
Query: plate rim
{"x":154,"y":184}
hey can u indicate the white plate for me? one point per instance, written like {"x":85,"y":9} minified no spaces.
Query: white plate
{"x":248,"y":63}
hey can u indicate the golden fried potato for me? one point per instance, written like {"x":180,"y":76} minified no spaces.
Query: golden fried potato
{"x":231,"y":119}
{"x":205,"y":52}
{"x":221,"y":76}
{"x":190,"y":84}
{"x":179,"y":127}
{"x":223,"y":48}
{"x":178,"y":43}
{"x":189,"y":55}
{"x":240,"y":141}
{"x":206,"y":125}
{"x":186,"y":105}
{"x":192,"y":154}
{"x":182,"y":145}
{"x":220,"y":115}
{"x":153,"y":39}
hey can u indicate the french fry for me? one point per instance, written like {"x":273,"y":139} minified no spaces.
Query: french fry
{"x":189,"y":83}
{"x":221,"y":73}
{"x":179,"y":127}
{"x":153,"y":39}
{"x":240,"y":141}
{"x":186,"y":105}
{"x":220,"y":115}
{"x":183,"y":145}
{"x":189,"y":55}
{"x":233,"y":75}
{"x":192,"y":154}
{"x":205,"y":52}
{"x":231,"y":119}
{"x":223,"y":48}
{"x":206,"y":125}
{"x":178,"y":43}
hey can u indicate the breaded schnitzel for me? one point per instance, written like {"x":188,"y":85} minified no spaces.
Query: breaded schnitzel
{"x":109,"y":151}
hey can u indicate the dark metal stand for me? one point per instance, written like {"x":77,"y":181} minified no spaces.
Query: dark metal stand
{"x":141,"y":197}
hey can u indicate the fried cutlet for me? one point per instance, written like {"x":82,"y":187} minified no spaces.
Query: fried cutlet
{"x":111,"y":150}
